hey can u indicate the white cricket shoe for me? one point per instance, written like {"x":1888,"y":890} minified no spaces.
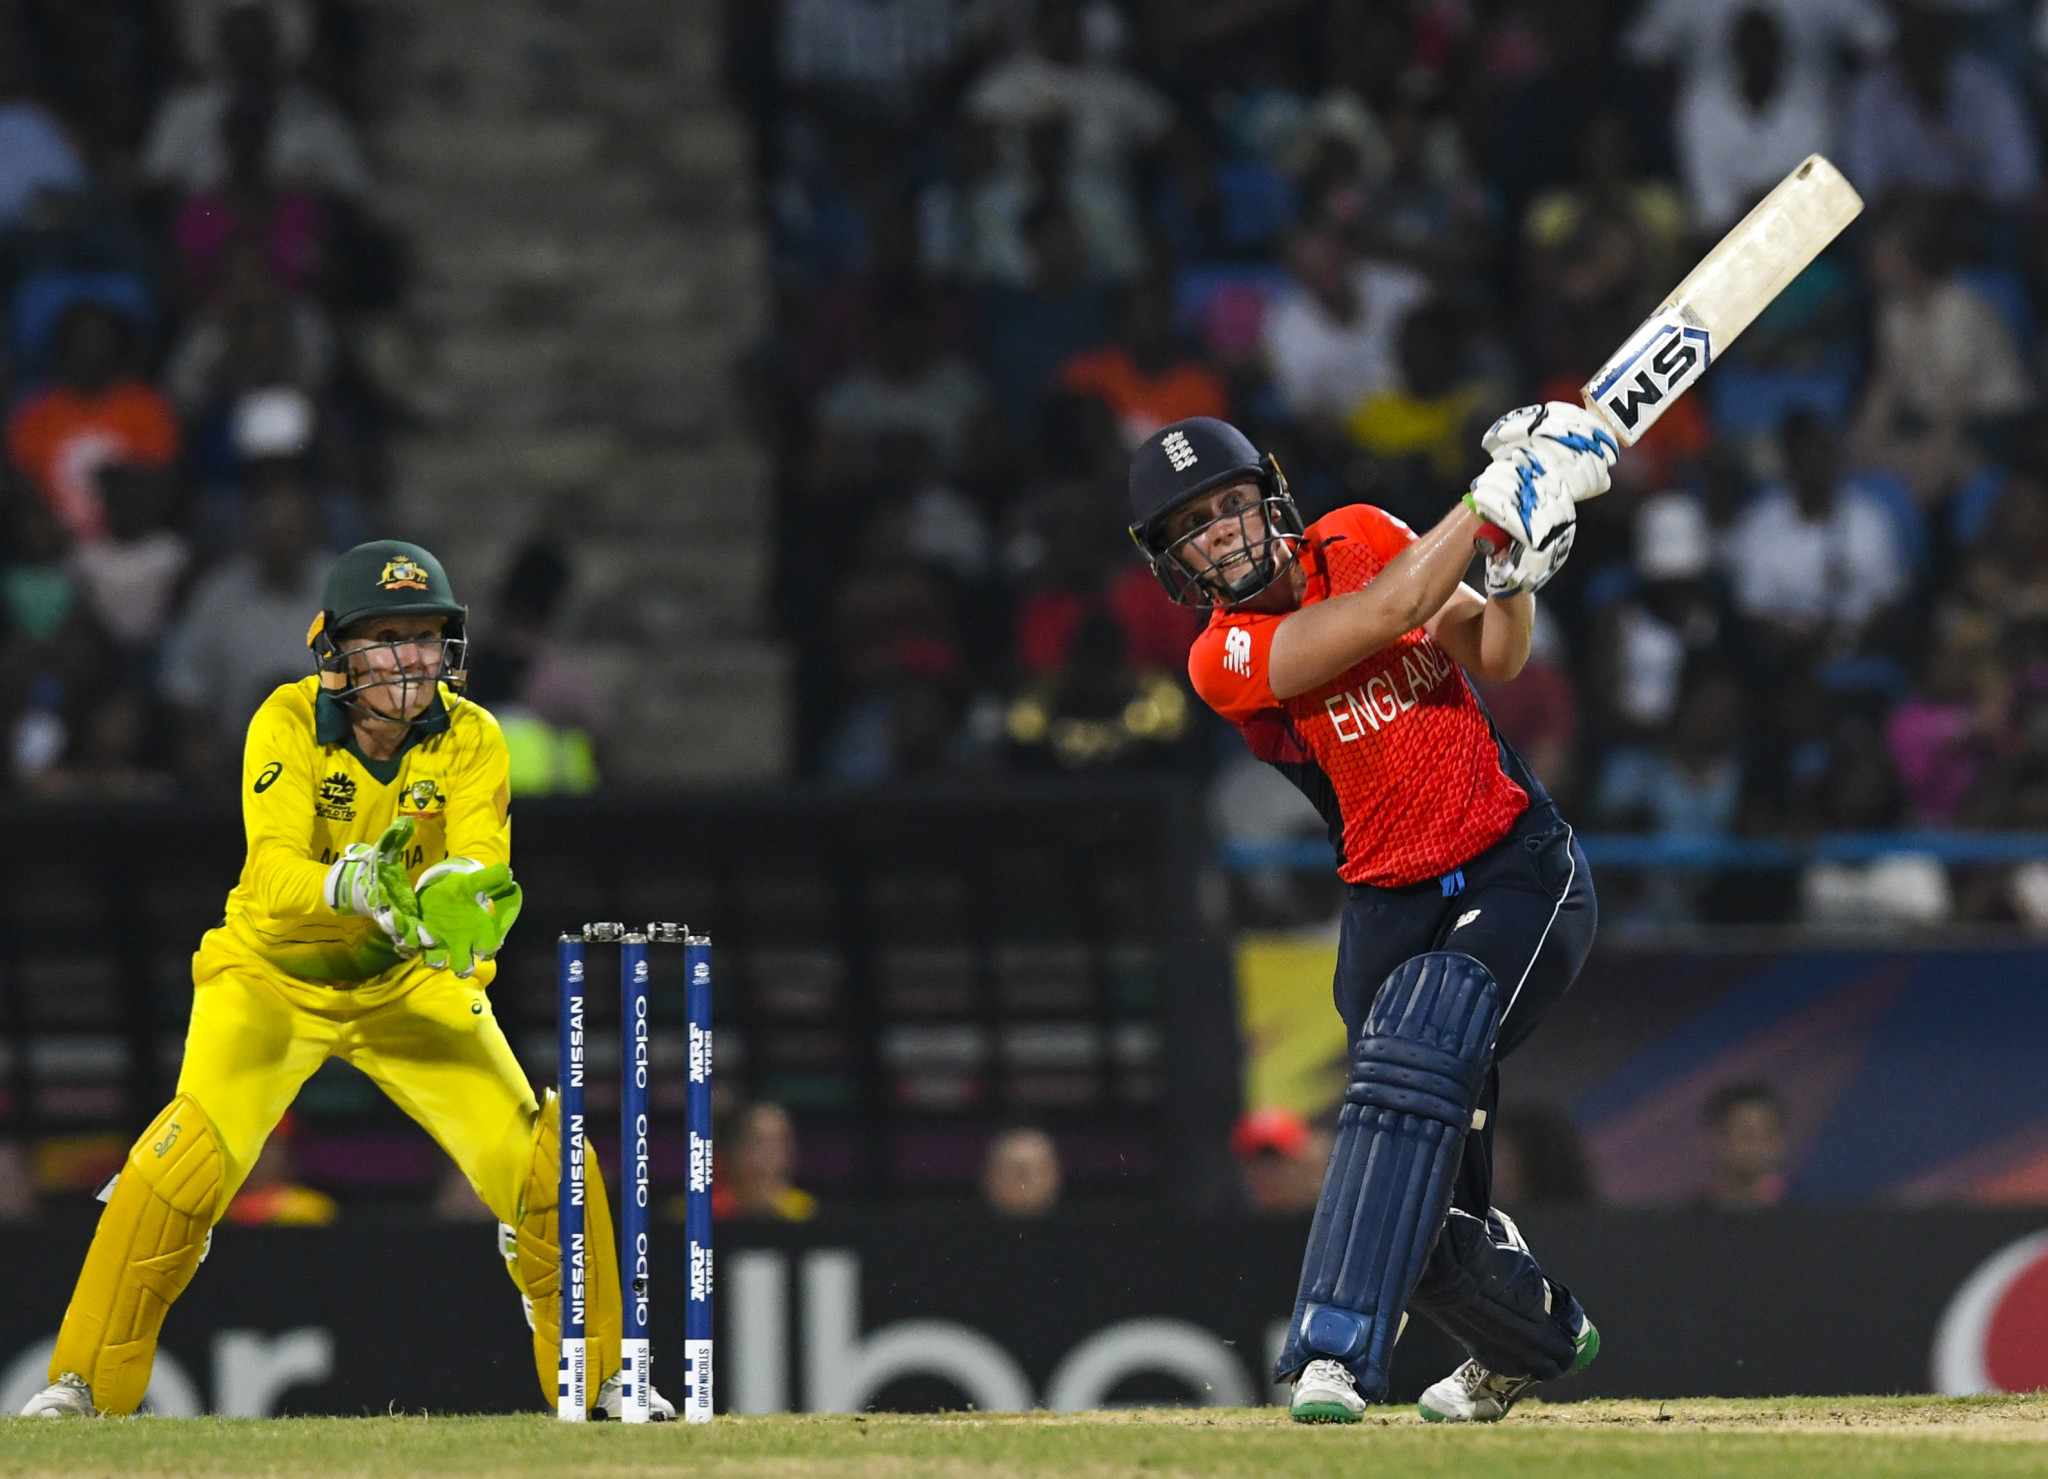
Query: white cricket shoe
{"x":1472,"y":1394}
{"x":611,"y":1402}
{"x":1326,"y":1392}
{"x":67,"y":1396}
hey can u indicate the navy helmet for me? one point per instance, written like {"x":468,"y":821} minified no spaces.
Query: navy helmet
{"x":1178,"y":464}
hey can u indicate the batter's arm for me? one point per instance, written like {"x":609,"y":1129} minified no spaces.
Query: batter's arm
{"x":1488,"y":639}
{"x":1313,"y":645}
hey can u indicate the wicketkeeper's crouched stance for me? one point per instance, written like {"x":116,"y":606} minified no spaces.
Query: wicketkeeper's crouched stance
{"x":376,"y":891}
{"x":1336,"y":649}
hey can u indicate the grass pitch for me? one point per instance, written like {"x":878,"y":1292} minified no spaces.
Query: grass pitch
{"x":1882,"y":1436}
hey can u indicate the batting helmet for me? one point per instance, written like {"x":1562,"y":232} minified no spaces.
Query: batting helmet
{"x":1178,"y":464}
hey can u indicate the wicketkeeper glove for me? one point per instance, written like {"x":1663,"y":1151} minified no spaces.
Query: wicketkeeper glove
{"x":465,"y":912}
{"x":1552,"y":429}
{"x":369,"y":880}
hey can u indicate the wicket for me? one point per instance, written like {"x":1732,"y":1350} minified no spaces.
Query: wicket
{"x":635,"y":1271}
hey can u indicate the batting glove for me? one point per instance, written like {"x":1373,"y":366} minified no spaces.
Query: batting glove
{"x":1562,"y":435}
{"x":1526,"y":499}
{"x":1521,"y":571}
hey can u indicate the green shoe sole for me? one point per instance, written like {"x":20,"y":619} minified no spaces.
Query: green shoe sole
{"x":1323,"y":1412}
{"x":1589,"y":1347}
{"x":1431,"y":1415}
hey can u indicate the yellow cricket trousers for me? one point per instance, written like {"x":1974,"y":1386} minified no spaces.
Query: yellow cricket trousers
{"x":425,"y":1037}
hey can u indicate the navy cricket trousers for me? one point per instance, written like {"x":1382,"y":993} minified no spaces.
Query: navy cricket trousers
{"x":1524,"y":909}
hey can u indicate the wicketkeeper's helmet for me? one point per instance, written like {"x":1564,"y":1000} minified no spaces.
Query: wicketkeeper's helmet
{"x":387,"y":577}
{"x":1180,"y":463}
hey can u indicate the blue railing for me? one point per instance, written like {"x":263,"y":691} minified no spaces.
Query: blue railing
{"x":1687,"y":850}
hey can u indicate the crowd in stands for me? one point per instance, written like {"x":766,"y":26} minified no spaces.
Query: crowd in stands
{"x":1012,"y":237}
{"x":192,"y":272}
{"x":185,"y":252}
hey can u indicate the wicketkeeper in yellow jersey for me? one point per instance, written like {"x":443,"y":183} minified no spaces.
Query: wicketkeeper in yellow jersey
{"x":376,"y":891}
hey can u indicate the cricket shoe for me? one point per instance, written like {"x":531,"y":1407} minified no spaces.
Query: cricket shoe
{"x":610,"y":1405}
{"x":1472,"y":1394}
{"x":67,"y":1396}
{"x":1326,"y":1392}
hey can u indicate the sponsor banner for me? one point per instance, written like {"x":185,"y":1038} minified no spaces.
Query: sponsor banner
{"x":1083,"y":1311}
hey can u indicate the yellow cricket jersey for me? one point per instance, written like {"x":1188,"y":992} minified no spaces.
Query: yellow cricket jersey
{"x":308,"y":793}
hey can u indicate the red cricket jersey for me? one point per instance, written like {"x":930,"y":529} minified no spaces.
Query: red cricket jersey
{"x":1395,"y":751}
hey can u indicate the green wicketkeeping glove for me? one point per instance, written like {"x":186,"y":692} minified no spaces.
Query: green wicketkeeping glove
{"x":370,"y":881}
{"x":465,"y":912}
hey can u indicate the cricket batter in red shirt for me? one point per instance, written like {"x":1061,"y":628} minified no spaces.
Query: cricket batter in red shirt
{"x":1340,"y":651}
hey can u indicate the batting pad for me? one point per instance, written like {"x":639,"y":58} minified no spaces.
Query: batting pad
{"x":1417,"y":1070}
{"x":535,"y":1262}
{"x":1486,"y":1292}
{"x":148,"y":1244}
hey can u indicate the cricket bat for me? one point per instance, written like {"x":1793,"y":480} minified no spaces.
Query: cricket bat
{"x":1720,"y":298}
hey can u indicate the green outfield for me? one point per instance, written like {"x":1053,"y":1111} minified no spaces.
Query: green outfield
{"x":1669,"y":1440}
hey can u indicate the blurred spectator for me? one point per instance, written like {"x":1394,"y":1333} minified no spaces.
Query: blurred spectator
{"x":18,"y":1202}
{"x":755,"y":1172}
{"x":1029,"y":332}
{"x":1330,"y":338}
{"x":1110,"y":115}
{"x":1426,"y":429}
{"x":1692,"y":784}
{"x":132,"y":578}
{"x":906,"y":386}
{"x":1282,"y":1159}
{"x":249,"y":336}
{"x":1756,"y":87}
{"x":1538,"y":1157}
{"x":95,"y":411}
{"x":1600,"y":253}
{"x":543,"y":701}
{"x":1942,"y":738}
{"x":271,"y":1194}
{"x":1747,"y":1133}
{"x":1936,"y":117}
{"x":1898,"y":890}
{"x":244,"y":632}
{"x":1427,"y":211}
{"x":1021,"y":1177}
{"x":311,"y":145}
{"x":1648,"y":638}
{"x":1145,"y":375}
{"x":1816,"y":558}
{"x":1947,"y":375}
{"x":1214,"y":208}
{"x":115,"y":752}
{"x":36,"y":155}
{"x":1099,"y":709}
{"x":283,"y":229}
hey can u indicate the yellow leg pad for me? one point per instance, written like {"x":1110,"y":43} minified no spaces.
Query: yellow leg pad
{"x":537,"y":1266}
{"x":149,"y":1242}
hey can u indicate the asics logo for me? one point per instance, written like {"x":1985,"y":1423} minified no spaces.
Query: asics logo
{"x":1178,"y":452}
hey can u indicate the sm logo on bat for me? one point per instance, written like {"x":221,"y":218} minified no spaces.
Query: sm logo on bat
{"x":1652,"y":370}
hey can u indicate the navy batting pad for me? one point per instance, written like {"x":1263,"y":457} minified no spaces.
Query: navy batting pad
{"x":1416,"y":1074}
{"x":1486,"y":1292}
